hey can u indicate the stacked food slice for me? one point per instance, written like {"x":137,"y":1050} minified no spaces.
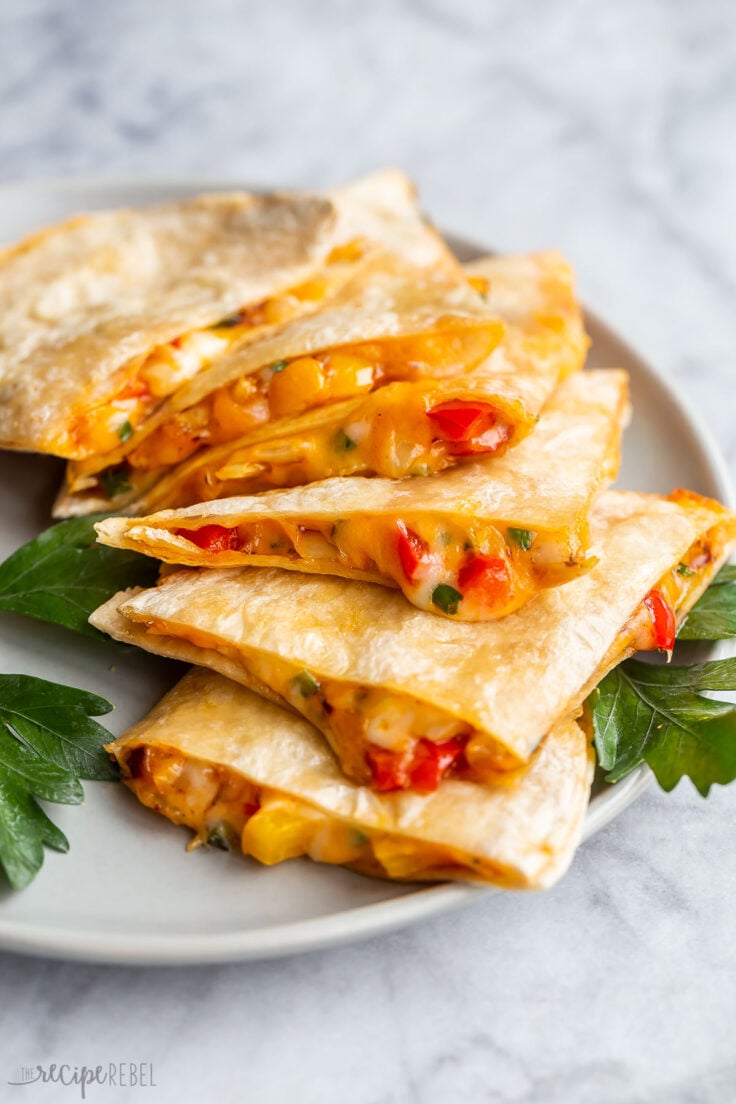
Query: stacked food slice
{"x":472,"y":543}
{"x":379,"y":484}
{"x":244,"y":773}
{"x":250,"y":435}
{"x":405,"y":697}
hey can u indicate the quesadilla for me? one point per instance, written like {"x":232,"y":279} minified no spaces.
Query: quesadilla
{"x":405,"y":697}
{"x":106,"y":315}
{"x":388,"y":322}
{"x":471,"y":543}
{"x":415,"y":427}
{"x":244,"y":774}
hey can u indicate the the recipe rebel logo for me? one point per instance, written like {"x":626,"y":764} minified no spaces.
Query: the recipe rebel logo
{"x":118,"y":1075}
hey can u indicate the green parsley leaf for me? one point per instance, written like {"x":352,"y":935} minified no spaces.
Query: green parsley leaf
{"x":279,"y":366}
{"x":644,"y":713}
{"x":446,"y":598}
{"x":125,"y":430}
{"x":343,"y":443}
{"x":48,"y":741}
{"x":683,"y":569}
{"x":713,"y":617}
{"x":115,"y":481}
{"x":62,"y":575}
{"x":523,"y":537}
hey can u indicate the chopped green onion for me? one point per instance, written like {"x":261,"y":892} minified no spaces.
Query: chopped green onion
{"x":306,"y":684}
{"x":343,"y":442}
{"x":125,"y":430}
{"x":278,"y":366}
{"x":115,"y":481}
{"x":446,"y":598}
{"x":229,"y":322}
{"x":683,"y":569}
{"x":222,"y":836}
{"x":522,"y":537}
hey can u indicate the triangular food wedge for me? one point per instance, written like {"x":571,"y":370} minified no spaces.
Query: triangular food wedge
{"x":106,"y":314}
{"x":246,"y":774}
{"x":417,"y":427}
{"x":472,"y":543}
{"x":405,"y":697}
{"x":390,"y":321}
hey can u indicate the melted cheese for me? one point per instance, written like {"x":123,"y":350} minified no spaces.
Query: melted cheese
{"x":150,"y":379}
{"x":388,"y":434}
{"x":371,"y":546}
{"x":224,"y":808}
{"x":291,"y":387}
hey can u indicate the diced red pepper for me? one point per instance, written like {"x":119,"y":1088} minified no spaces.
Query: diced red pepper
{"x":135,"y":389}
{"x":212,"y":538}
{"x":389,"y":769}
{"x":487,"y":576}
{"x":488,"y":441}
{"x":469,"y":428}
{"x":421,"y":769}
{"x":461,"y":421}
{"x":412,"y":550}
{"x":431,"y":762}
{"x":250,"y":808}
{"x":663,"y":620}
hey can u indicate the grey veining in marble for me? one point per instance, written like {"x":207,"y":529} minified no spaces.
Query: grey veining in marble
{"x":607,"y":130}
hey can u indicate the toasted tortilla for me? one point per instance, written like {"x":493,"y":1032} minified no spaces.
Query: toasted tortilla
{"x":244,"y":773}
{"x":372,"y":672}
{"x":398,"y":429}
{"x":496,"y":531}
{"x":391,"y":320}
{"x":84,"y":302}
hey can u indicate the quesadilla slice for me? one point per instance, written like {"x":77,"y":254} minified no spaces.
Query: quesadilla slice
{"x":106,"y":315}
{"x":388,"y":322}
{"x":472,"y":543}
{"x":244,"y":774}
{"x":416,"y":427}
{"x":404,"y":697}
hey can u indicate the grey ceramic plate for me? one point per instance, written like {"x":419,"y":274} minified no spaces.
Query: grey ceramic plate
{"x":128,"y":891}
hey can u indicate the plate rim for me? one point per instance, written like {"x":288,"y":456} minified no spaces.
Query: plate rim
{"x":380,"y":917}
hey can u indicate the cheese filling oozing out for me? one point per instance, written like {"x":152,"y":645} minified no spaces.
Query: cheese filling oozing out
{"x":383,"y":738}
{"x":226,"y":810}
{"x":399,"y":436}
{"x":392,"y":741}
{"x":167,"y":367}
{"x":470,"y":571}
{"x":290,"y":387}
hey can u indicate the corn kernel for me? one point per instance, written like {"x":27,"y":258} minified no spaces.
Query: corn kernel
{"x":347,"y":374}
{"x":232,"y":417}
{"x":277,"y":832}
{"x":296,"y":387}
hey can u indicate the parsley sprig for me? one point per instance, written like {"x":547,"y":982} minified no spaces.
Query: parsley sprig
{"x":713,"y":617}
{"x":48,"y":742}
{"x":659,"y":715}
{"x":62,"y":575}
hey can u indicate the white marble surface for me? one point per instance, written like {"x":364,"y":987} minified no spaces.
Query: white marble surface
{"x":606,"y":130}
